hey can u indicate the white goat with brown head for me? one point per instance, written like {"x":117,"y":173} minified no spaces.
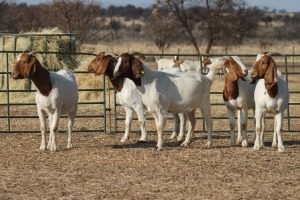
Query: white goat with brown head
{"x":57,"y":94}
{"x":271,"y":95}
{"x":176,"y":93}
{"x":127,"y":93}
{"x":238,"y":95}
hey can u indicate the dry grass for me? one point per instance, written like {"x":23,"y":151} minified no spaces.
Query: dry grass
{"x":99,"y":167}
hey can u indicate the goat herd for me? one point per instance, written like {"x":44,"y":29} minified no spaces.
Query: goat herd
{"x":178,"y":89}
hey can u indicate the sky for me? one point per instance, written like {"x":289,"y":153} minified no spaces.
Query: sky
{"x":288,"y":5}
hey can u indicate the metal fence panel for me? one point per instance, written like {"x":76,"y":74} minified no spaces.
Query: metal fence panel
{"x":103,"y":114}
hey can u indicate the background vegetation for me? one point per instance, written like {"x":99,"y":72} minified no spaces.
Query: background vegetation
{"x":200,"y":24}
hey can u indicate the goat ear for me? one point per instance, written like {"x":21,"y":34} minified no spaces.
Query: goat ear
{"x":229,"y":71}
{"x":30,"y":67}
{"x":271,"y":75}
{"x":137,"y":68}
{"x":101,"y":68}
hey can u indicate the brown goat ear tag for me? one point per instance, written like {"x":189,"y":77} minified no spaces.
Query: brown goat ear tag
{"x":229,"y":72}
{"x":271,"y":75}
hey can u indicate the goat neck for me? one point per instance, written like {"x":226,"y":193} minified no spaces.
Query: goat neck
{"x":41,"y":79}
{"x":105,"y":64}
{"x":130,"y":67}
{"x":117,"y":82}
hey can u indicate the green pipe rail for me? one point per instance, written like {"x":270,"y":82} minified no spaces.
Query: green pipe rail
{"x":107,"y":110}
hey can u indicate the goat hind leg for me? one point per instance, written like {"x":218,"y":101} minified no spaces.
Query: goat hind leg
{"x":70,"y":127}
{"x":191,"y":120}
{"x":175,"y":126}
{"x":53,"y":130}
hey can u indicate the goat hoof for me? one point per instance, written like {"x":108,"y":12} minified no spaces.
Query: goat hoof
{"x":159,"y":148}
{"x":124,"y":140}
{"x":69,"y":146}
{"x":281,"y":149}
{"x":245,"y":143}
{"x":142,"y":141}
{"x":184,"y":144}
{"x":256,"y":147}
{"x":208,"y":145}
{"x":179,"y":139}
{"x":43,"y":147}
{"x":174,"y":135}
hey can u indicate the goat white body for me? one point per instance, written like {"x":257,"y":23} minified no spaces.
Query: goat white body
{"x":63,"y":99}
{"x":131,"y":99}
{"x":242,"y":103}
{"x":163,"y":63}
{"x":177,"y":93}
{"x":188,"y":65}
{"x":271,"y":95}
{"x":266,"y":104}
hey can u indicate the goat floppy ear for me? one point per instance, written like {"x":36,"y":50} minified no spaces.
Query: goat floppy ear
{"x":101,"y":68}
{"x":271,"y":75}
{"x":137,"y":68}
{"x":29,"y":67}
{"x":229,"y":71}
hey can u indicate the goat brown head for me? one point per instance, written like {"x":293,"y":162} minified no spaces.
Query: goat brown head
{"x":24,"y":67}
{"x":130,"y":67}
{"x":232,"y":70}
{"x":265,"y":67}
{"x":102,"y":61}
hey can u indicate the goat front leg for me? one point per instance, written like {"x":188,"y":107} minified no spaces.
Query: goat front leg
{"x":53,"y":129}
{"x":243,"y":126}
{"x":274,"y":142}
{"x":43,"y":128}
{"x":142,"y":121}
{"x":258,"y":129}
{"x":279,"y":122}
{"x":128,"y":120}
{"x":231,"y":117}
{"x":209,"y":123}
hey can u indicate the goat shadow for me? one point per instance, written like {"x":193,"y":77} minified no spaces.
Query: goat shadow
{"x":149,"y":144}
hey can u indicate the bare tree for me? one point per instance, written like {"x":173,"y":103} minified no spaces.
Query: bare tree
{"x":162,"y":29}
{"x":222,"y":21}
{"x":76,"y":16}
{"x":177,"y":8}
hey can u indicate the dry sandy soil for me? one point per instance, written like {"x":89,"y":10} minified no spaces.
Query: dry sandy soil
{"x":99,"y":167}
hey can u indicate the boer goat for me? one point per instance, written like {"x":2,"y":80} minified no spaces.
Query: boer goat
{"x":271,"y":95}
{"x":238,"y":95}
{"x":176,"y":93}
{"x":128,"y":95}
{"x":56,"y":94}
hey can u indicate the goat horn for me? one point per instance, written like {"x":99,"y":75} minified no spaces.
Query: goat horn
{"x":140,"y":57}
{"x":31,"y":53}
{"x":273,"y":54}
{"x":112,"y":55}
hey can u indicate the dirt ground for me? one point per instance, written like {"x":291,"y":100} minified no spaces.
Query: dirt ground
{"x":99,"y":167}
